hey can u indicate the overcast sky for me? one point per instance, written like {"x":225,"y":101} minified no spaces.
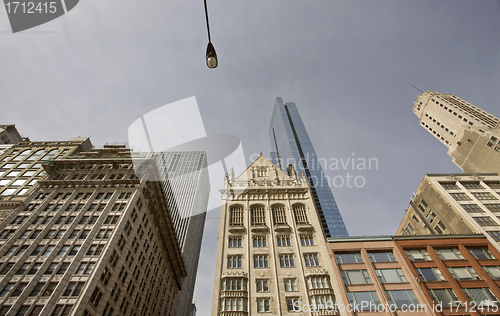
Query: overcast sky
{"x":348,"y":66}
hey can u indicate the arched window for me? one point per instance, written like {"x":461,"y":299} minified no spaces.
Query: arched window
{"x":299,"y":211}
{"x":258,"y":215}
{"x":236,"y":215}
{"x":36,"y":155}
{"x":50,"y":154}
{"x":279,"y":216}
{"x":22,"y":155}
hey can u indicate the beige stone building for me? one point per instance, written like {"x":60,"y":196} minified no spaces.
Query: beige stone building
{"x":10,"y":135}
{"x":455,"y":204}
{"x":91,"y":239}
{"x":21,"y":168}
{"x":471,"y":134}
{"x":271,"y":256}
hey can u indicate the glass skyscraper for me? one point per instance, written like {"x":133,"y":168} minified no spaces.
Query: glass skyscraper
{"x":291,"y":145}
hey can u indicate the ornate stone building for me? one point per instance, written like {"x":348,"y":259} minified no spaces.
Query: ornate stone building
{"x":271,"y":256}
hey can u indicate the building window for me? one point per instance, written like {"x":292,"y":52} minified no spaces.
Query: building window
{"x":260,"y":241}
{"x":472,"y":185}
{"x":74,"y":289}
{"x":279,"y":216}
{"x":401,"y":298}
{"x":481,"y":253}
{"x":299,"y":210}
{"x":481,"y":296}
{"x":431,"y":216}
{"x":258,"y":215}
{"x":430,"y":274}
{"x":364,"y":301}
{"x":234,"y":242}
{"x":262,"y":285}
{"x":234,"y":262}
{"x":484,"y":196}
{"x":449,"y":186}
{"x":322,"y":302}
{"x":493,"y":207}
{"x":263,"y":305}
{"x":493,"y":185}
{"x":391,"y":276}
{"x":415,"y":219}
{"x":409,"y":228}
{"x":485,"y":221}
{"x":236,"y":215}
{"x":260,"y":261}
{"x":283,"y":241}
{"x":493,"y":272}
{"x":233,"y":304}
{"x":234,"y":284}
{"x":356,"y":277}
{"x":306,"y":240}
{"x":495,"y":234}
{"x":472,"y":208}
{"x":460,"y":196}
{"x":311,"y":259}
{"x":383,"y":256}
{"x":318,"y":282}
{"x":464,"y":273}
{"x":352,"y":257}
{"x":440,"y":227}
{"x":290,"y":285}
{"x":418,"y":255}
{"x":286,"y":261}
{"x":450,"y":254}
{"x":292,"y":303}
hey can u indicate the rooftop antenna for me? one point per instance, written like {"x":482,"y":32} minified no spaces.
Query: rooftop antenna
{"x":416,"y":88}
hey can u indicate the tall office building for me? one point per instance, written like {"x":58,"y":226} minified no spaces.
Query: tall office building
{"x":21,"y":168}
{"x":471,"y":134}
{"x":455,"y":204}
{"x":91,"y":239}
{"x":290,"y":144}
{"x":271,"y":255}
{"x":185,"y":183}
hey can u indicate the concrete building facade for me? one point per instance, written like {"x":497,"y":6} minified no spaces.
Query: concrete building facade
{"x":91,"y":239}
{"x":290,"y":144}
{"x":271,"y":255}
{"x":21,"y":168}
{"x":471,"y":134}
{"x":414,"y":275}
{"x":455,"y":204}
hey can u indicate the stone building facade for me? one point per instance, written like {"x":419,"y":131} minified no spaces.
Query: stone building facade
{"x":271,"y":255}
{"x":471,"y":134}
{"x":455,"y":204}
{"x":91,"y":239}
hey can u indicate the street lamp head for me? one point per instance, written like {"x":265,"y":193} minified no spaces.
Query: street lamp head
{"x":212,"y":61}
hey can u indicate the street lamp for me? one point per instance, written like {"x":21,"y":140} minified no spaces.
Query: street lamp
{"x":211,"y":55}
